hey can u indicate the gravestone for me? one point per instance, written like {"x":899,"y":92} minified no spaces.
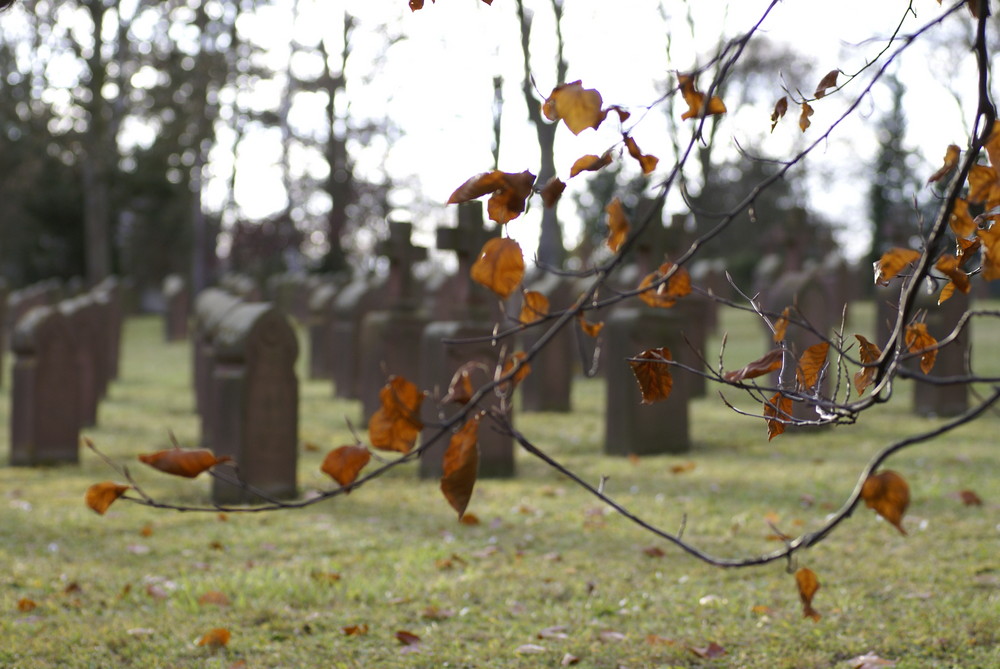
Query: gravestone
{"x":255,"y":403}
{"x":289,"y":292}
{"x":549,"y":386}
{"x":320,"y":330}
{"x":475,"y":318}
{"x":4,"y":331}
{"x":84,"y":317}
{"x":44,"y":420}
{"x":178,"y":308}
{"x":211,"y":308}
{"x":950,"y":399}
{"x":364,"y":294}
{"x":390,"y":337}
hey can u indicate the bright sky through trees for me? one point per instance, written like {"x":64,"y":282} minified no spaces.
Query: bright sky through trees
{"x":436,"y":85}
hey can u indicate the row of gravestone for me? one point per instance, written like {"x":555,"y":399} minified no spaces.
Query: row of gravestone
{"x":65,"y":356}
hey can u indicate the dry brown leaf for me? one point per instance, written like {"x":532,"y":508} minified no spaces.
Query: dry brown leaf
{"x":780,"y":107}
{"x":590,"y":163}
{"x":656,"y":293}
{"x":24,"y":605}
{"x":951,"y":157}
{"x":588,"y":328}
{"x":811,"y":364}
{"x":781,"y":327}
{"x":552,"y":191}
{"x":534,"y":307}
{"x":709,"y":652}
{"x":683,"y":468}
{"x":888,"y":493}
{"x":407,"y":638}
{"x":990,"y":239}
{"x":696,"y":100}
{"x":777,"y":410}
{"x":216,"y":638}
{"x":396,"y":424}
{"x":770,"y":362}
{"x":182,"y":462}
{"x":869,"y":354}
{"x":653,"y":374}
{"x":808,"y":584}
{"x":517,"y":360}
{"x":950,"y":266}
{"x":970,"y":498}
{"x":215,"y":598}
{"x":828,"y":81}
{"x":919,"y":340}
{"x":618,"y":225}
{"x":646,"y":162}
{"x":500,"y":266}
{"x":100,"y":496}
{"x":806,"y":112}
{"x":360,"y":629}
{"x":345,"y":463}
{"x":578,"y":107}
{"x":461,"y":465}
{"x":892,"y":262}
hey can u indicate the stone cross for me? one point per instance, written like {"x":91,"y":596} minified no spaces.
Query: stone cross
{"x":466,"y":240}
{"x":402,"y":255}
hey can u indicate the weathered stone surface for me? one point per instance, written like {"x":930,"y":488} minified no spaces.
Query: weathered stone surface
{"x":549,"y":386}
{"x":211,"y":307}
{"x":84,"y":317}
{"x":44,"y":421}
{"x":949,"y":399}
{"x":177,"y":297}
{"x":255,"y":400}
{"x":321,"y":319}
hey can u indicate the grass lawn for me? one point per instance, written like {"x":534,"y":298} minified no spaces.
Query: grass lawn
{"x":547,"y":572}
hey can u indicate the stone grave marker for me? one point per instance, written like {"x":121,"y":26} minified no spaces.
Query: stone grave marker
{"x":367,"y":292}
{"x":390,"y":337}
{"x":84,"y":317}
{"x":320,"y":327}
{"x":549,"y":386}
{"x":44,"y":419}
{"x":439,"y":360}
{"x":178,"y":308}
{"x":4,"y":331}
{"x":211,"y":307}
{"x":952,"y":399}
{"x":289,"y":292}
{"x":255,"y":402}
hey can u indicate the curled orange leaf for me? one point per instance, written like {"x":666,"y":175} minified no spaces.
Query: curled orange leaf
{"x":990,"y":239}
{"x":950,"y":266}
{"x":343,"y":464}
{"x":552,"y":191}
{"x":588,"y":328}
{"x":657,"y":293}
{"x":509,"y":193}
{"x":646,"y":161}
{"x":460,"y":389}
{"x":653,"y":374}
{"x":618,"y":225}
{"x":590,"y":163}
{"x":780,"y":327}
{"x":804,"y":115}
{"x":696,"y":100}
{"x":770,"y":362}
{"x":777,"y":410}
{"x":500,"y":266}
{"x":889,"y":495}
{"x":217,"y":638}
{"x":919,"y":340}
{"x":396,"y":424}
{"x":517,"y":362}
{"x":780,"y":107}
{"x":102,"y":495}
{"x":811,"y":364}
{"x":534,"y":308}
{"x":828,"y":81}
{"x":461,"y":465}
{"x":182,"y":462}
{"x":892,"y":262}
{"x":808,"y":584}
{"x":951,"y":157}
{"x":961,"y":221}
{"x":869,"y":353}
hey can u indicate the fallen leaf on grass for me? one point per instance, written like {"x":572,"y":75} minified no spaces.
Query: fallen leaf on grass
{"x":608,"y":636}
{"x":434,"y":613}
{"x":24,"y":605}
{"x":870,"y":661}
{"x":683,"y":468}
{"x":709,"y":652}
{"x":569,"y":660}
{"x":325,"y":576}
{"x":970,"y":498}
{"x":214,"y":597}
{"x":215,"y":638}
{"x":657,"y":640}
{"x":355,"y":630}
{"x":530,"y":649}
{"x":407,"y":638}
{"x":653,"y":551}
{"x":555,"y":632}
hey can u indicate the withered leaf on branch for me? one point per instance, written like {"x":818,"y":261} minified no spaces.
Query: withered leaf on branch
{"x":510,"y":191}
{"x":888,"y":493}
{"x":460,"y":389}
{"x":811,"y":364}
{"x":808,"y":584}
{"x":961,"y":221}
{"x":102,"y":495}
{"x":966,"y":249}
{"x":618,"y":225}
{"x":828,"y":81}
{"x":804,"y":121}
{"x":500,"y":266}
{"x":182,"y":462}
{"x":578,"y":107}
{"x":696,"y":100}
{"x":918,"y":340}
{"x":588,"y":328}
{"x":590,"y":163}
{"x":535,"y":307}
{"x":461,"y":465}
{"x":780,"y":107}
{"x":517,"y":361}
{"x":646,"y":161}
{"x":777,"y":410}
{"x":951,"y":157}
{"x":869,"y":353}
{"x":770,"y":362}
{"x":552,"y":191}
{"x":984,"y":185}
{"x":780,"y":327}
{"x":653,"y":374}
{"x":345,"y":463}
{"x":664,"y":295}
{"x":396,"y":424}
{"x":950,"y":266}
{"x":991,"y":251}
{"x":892,"y":262}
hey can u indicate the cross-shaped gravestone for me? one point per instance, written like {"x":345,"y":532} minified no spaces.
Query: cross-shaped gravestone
{"x":466,"y":240}
{"x":402,"y":255}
